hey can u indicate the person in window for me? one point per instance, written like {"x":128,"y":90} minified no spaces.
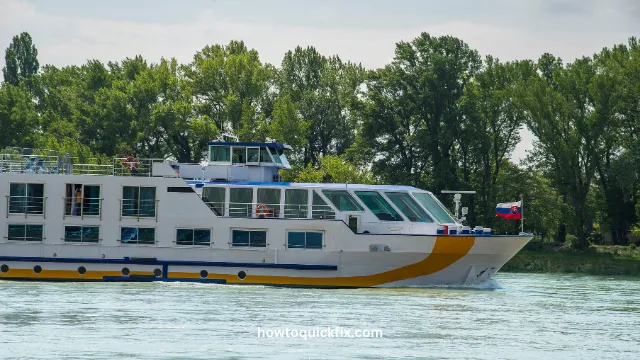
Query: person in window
{"x":77,"y":202}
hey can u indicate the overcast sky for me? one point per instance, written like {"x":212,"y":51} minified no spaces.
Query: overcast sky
{"x":69,"y":32}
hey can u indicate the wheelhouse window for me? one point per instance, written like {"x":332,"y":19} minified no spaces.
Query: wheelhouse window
{"x":25,"y":232}
{"x":342,"y":200}
{"x":304,"y":239}
{"x":139,"y":201}
{"x":82,"y":234}
{"x":434,"y":207}
{"x":248,"y":238}
{"x":196,"y":237}
{"x":214,"y":197}
{"x":268,"y":203}
{"x":275,"y":155}
{"x":239,"y":155}
{"x":264,"y":155}
{"x":296,"y":203}
{"x":26,"y":198}
{"x":408,"y":207}
{"x":220,"y":154}
{"x":320,"y":209}
{"x":378,"y":205}
{"x":82,"y":200}
{"x":137,"y":235}
{"x":240,"y":202}
{"x":253,"y":155}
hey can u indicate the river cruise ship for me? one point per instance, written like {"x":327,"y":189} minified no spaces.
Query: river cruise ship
{"x":229,"y":220}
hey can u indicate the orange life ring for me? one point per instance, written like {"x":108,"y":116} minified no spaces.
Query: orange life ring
{"x":130,"y":163}
{"x":262,"y":211}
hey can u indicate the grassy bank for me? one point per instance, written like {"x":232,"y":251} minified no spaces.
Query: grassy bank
{"x":597,"y":260}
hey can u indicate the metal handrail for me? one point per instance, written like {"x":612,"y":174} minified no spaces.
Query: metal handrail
{"x":250,"y":210}
{"x":24,"y":204}
{"x":24,"y":239}
{"x":81,"y":241}
{"x":136,"y":209}
{"x":92,"y":169}
{"x":134,"y":167}
{"x":68,"y":201}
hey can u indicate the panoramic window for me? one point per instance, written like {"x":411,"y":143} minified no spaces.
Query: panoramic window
{"x":434,"y":207}
{"x":342,"y":200}
{"x":23,"y":232}
{"x":320,"y":209}
{"x":137,"y":235}
{"x":198,"y":237}
{"x":296,"y":203}
{"x":268,"y":203}
{"x":26,"y":198}
{"x":220,"y":154}
{"x":378,"y":205}
{"x":408,"y":207}
{"x":253,"y":155}
{"x":240,"y":202}
{"x":214,"y":198}
{"x":139,"y":201}
{"x":249,"y":238}
{"x":82,"y":234}
{"x":82,"y":200}
{"x":264,"y":155}
{"x":275,"y":155}
{"x":239,"y":155}
{"x":304,"y":239}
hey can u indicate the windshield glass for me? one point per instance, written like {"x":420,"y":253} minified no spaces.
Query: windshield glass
{"x":342,"y":200}
{"x":275,"y":155}
{"x":433,"y":206}
{"x":409,"y":207}
{"x":378,"y":205}
{"x":283,"y":158}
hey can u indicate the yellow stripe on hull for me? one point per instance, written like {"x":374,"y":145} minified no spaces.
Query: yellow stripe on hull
{"x":446,"y":251}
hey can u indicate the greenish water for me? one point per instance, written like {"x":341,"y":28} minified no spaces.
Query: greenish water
{"x":521,"y":316}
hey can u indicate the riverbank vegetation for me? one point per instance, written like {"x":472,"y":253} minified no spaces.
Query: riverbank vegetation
{"x":438,"y":116}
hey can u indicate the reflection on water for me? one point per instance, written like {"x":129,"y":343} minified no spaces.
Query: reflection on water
{"x":519,"y":317}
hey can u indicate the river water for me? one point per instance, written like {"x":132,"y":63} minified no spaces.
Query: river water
{"x":517,"y":316}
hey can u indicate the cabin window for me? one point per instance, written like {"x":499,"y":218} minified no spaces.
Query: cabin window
{"x":239,"y":155}
{"x":268,"y":203}
{"x":253,"y":155}
{"x":25,"y":198}
{"x":408,"y":207}
{"x":240,"y":202}
{"x":24,"y":232}
{"x":248,"y":238}
{"x":342,"y":200}
{"x":264,"y":155}
{"x":220,"y":154}
{"x":81,"y":234}
{"x":296,"y":203}
{"x":378,"y":205}
{"x":434,"y":207}
{"x":320,"y":209}
{"x":214,"y":198}
{"x":137,"y":235}
{"x":275,"y":155}
{"x":139,"y":201}
{"x":197,"y":237}
{"x":304,"y":239}
{"x":82,"y":200}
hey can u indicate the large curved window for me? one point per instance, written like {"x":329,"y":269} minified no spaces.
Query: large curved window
{"x":342,"y":200}
{"x":434,"y":207}
{"x":378,"y":205}
{"x":409,"y":207}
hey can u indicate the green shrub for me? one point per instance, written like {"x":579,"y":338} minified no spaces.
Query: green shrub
{"x":632,"y":246}
{"x":572,"y":242}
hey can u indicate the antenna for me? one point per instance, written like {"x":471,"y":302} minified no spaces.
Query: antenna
{"x":456,"y":201}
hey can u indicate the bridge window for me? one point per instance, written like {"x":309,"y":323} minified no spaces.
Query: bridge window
{"x":82,"y":234}
{"x":220,"y":154}
{"x":296,"y":203}
{"x":198,"y":237}
{"x":248,"y":238}
{"x":433,"y":206}
{"x":82,"y":200}
{"x":378,"y":205}
{"x":264,"y":155}
{"x":137,"y":235}
{"x":269,"y":203}
{"x":24,"y":232}
{"x":253,"y":155}
{"x":239,"y":155}
{"x":409,"y":207}
{"x":240,"y":202}
{"x":320,"y":209}
{"x":139,"y":201}
{"x":304,"y":239}
{"x":342,"y":200}
{"x":25,"y":198}
{"x":214,"y":198}
{"x":275,"y":155}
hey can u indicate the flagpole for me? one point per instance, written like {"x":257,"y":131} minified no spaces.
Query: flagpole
{"x":522,"y":213}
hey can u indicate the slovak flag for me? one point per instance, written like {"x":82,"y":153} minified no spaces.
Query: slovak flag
{"x":509,"y":211}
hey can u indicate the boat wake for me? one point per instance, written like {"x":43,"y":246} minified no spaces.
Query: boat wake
{"x":490,"y":284}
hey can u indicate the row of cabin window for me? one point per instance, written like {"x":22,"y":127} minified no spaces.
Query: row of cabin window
{"x":81,"y":200}
{"x":143,"y":235}
{"x":244,"y":155}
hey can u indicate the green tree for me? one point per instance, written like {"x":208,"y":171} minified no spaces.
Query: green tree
{"x":21,"y":60}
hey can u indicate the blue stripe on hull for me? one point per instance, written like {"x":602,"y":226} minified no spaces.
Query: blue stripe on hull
{"x":168,"y":263}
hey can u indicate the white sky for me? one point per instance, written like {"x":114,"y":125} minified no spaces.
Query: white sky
{"x":70,"y":32}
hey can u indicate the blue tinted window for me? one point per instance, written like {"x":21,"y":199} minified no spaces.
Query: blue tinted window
{"x":240,"y":238}
{"x":304,"y":240}
{"x":314,"y":240}
{"x":296,"y":240}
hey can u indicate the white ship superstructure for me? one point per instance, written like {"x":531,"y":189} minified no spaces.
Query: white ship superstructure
{"x":229,"y":220}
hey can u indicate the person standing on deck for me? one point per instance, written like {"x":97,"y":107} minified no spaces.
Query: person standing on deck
{"x":77,"y":202}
